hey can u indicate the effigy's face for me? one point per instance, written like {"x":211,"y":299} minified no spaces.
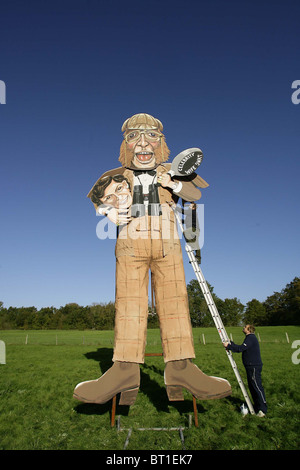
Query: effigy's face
{"x":143,"y":143}
{"x":117,"y":195}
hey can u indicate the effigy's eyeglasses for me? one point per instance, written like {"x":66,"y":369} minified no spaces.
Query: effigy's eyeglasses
{"x":149,"y":134}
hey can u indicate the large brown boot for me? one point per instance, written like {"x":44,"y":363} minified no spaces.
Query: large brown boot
{"x":122,"y":377}
{"x":185,"y":374}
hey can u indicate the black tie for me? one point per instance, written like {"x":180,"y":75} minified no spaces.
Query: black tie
{"x":141,"y":172}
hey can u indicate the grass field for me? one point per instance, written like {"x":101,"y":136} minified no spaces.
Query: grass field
{"x":37,"y":411}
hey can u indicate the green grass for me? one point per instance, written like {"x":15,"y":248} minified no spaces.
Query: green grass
{"x":38,"y":412}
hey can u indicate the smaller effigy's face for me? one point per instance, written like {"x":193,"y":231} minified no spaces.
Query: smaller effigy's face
{"x":142,"y":143}
{"x":117,"y":195}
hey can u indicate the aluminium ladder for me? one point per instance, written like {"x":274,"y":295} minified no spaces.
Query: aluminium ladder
{"x":214,"y":311}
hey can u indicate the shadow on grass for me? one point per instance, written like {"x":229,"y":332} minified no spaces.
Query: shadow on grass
{"x":103,"y":356}
{"x":155,"y":389}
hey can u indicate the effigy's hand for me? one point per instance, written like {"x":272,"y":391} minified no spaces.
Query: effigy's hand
{"x":164,"y":179}
{"x":119,"y":216}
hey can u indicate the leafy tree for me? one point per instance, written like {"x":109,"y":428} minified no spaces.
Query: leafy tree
{"x":255,"y":313}
{"x":153,"y":320}
{"x":280,"y":308}
{"x":74,"y":317}
{"x":199,"y":311}
{"x":4,"y":321}
{"x":44,"y":318}
{"x":21,"y":317}
{"x":283,"y":308}
{"x":230,"y":311}
{"x":103,"y":316}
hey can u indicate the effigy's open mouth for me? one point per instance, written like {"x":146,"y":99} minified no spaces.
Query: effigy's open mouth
{"x":144,"y":157}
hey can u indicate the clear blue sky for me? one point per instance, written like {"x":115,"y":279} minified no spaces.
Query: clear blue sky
{"x":218,"y":74}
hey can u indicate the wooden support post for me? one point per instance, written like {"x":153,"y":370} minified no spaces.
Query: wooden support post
{"x":113,"y":411}
{"x":153,"y":354}
{"x":195,"y":412}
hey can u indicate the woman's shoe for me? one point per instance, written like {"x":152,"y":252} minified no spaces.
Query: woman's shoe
{"x":184,"y":374}
{"x":122,"y":377}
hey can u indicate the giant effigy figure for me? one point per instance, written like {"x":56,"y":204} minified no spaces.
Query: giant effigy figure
{"x":139,"y":198}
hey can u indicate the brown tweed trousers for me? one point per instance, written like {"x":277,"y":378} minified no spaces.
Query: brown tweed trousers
{"x":131,"y":304}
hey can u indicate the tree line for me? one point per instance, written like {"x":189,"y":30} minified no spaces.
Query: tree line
{"x":280,"y":308}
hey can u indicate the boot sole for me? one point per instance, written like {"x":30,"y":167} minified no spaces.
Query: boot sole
{"x":175,"y":393}
{"x":127,"y":397}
